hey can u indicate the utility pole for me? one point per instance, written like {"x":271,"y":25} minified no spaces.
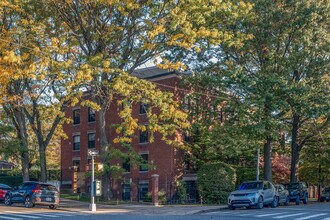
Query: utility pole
{"x":92,"y":206}
{"x":258,"y":162}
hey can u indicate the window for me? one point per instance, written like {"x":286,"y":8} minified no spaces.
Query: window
{"x":91,"y":115}
{"x":144,"y":136}
{"x":76,"y":116}
{"x":143,"y":190}
{"x":144,"y":164}
{"x":76,"y":142}
{"x":127,"y":165}
{"x":76,"y":163}
{"x":91,"y":140}
{"x":143,"y":108}
{"x":186,"y":136}
{"x":126,"y":192}
{"x":186,"y":103}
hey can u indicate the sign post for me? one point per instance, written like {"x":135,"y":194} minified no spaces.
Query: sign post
{"x":92,"y":206}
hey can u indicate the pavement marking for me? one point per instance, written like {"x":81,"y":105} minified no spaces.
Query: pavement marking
{"x":326,"y":219}
{"x":64,"y":215}
{"x":285,"y":216}
{"x":7,"y":217}
{"x":46,"y":215}
{"x":265,"y":215}
{"x":311,"y":216}
{"x":20,"y":214}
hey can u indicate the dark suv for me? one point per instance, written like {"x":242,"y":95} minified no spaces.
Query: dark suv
{"x":34,"y":193}
{"x":298,"y":191}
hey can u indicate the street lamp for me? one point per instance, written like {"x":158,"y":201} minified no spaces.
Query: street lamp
{"x":92,"y":206}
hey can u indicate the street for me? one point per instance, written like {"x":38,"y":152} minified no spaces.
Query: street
{"x":312,"y":211}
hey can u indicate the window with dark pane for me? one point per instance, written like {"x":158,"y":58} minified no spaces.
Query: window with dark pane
{"x":144,"y":136}
{"x":91,"y":115}
{"x":186,"y":136}
{"x":76,"y":163}
{"x":76,"y":142}
{"x":143,"y":108}
{"x":76,"y":116}
{"x":127,"y":165}
{"x":144,"y":164}
{"x":91,"y":140}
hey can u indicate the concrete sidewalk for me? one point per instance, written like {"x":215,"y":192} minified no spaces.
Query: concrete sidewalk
{"x":137,"y":209}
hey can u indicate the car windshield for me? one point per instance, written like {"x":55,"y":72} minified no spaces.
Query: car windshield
{"x":327,"y":190}
{"x":250,"y":185}
{"x":293,"y":186}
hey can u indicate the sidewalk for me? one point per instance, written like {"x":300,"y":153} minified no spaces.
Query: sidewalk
{"x":132,"y":209}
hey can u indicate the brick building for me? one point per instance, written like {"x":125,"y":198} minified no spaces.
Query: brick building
{"x":167,"y":161}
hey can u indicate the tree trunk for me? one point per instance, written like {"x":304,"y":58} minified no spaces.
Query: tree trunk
{"x":294,"y":148}
{"x":268,"y":160}
{"x":43,"y":163}
{"x":105,"y":148}
{"x":20,"y":124}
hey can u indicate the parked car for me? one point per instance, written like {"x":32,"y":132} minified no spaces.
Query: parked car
{"x":34,"y":193}
{"x":325,"y":194}
{"x":253,"y":194}
{"x":282,"y":195}
{"x":3,"y":191}
{"x":298,"y":191}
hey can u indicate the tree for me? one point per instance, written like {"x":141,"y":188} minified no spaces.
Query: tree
{"x":116,"y":37}
{"x":278,"y":73}
{"x":35,"y":52}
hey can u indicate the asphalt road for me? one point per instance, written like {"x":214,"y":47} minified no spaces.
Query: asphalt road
{"x":312,"y":211}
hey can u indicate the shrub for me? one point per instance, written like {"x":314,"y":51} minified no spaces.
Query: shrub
{"x":215,"y":182}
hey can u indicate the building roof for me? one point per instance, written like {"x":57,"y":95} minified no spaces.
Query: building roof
{"x":153,"y":72}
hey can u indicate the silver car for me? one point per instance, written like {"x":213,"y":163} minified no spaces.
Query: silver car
{"x":282,"y":194}
{"x":253,"y":194}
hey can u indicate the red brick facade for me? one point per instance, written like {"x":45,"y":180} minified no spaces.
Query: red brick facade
{"x":167,"y":161}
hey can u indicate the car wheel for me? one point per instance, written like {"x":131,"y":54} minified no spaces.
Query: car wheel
{"x":287,"y":201}
{"x":53,"y":206}
{"x":28,"y":202}
{"x":298,"y":200}
{"x":231,"y":207}
{"x":328,"y":200}
{"x":260,"y":204}
{"x":322,"y":199}
{"x":305,"y":199}
{"x":248,"y":207}
{"x":274,"y":202}
{"x":8,"y":200}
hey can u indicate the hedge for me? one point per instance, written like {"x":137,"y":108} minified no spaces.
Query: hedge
{"x":215,"y":182}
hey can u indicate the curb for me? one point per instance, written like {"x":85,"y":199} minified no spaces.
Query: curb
{"x":211,"y":210}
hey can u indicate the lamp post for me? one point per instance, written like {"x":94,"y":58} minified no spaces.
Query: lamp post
{"x":92,"y":206}
{"x":258,"y":161}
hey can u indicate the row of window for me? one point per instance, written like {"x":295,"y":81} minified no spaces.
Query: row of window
{"x":91,"y":140}
{"x":91,"y":113}
{"x":76,"y":116}
{"x":126,"y":164}
{"x":90,"y":144}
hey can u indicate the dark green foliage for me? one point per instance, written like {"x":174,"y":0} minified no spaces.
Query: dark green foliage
{"x":246,"y":174}
{"x":215,"y":182}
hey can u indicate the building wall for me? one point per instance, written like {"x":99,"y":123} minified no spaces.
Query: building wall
{"x":167,"y":161}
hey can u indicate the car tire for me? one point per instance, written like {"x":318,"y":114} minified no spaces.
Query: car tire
{"x":28,"y":202}
{"x":8,"y":200}
{"x":248,"y":207}
{"x":53,"y":206}
{"x":322,"y":200}
{"x":305,"y":200}
{"x":328,"y":200}
{"x":230,"y":207}
{"x":287,"y":201}
{"x":298,"y":200}
{"x":274,"y":203}
{"x":260,"y":204}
